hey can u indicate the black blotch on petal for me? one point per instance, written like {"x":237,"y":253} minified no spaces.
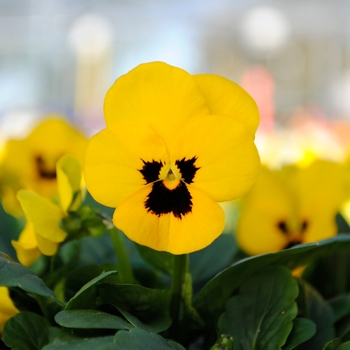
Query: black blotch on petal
{"x":162,"y":200}
{"x":282,"y":226}
{"x":150,"y":170}
{"x":304,"y":226}
{"x":187,"y":169}
{"x":292,"y":244}
{"x":44,"y":171}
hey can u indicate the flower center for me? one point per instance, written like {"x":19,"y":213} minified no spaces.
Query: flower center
{"x":169,"y":193}
{"x":45,"y":170}
{"x":294,"y":238}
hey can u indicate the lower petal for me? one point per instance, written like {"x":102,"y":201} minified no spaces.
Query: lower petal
{"x":26,"y":247}
{"x":46,"y":246}
{"x":191,"y":232}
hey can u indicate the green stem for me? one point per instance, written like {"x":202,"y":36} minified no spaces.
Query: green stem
{"x":179,"y":271}
{"x":125,"y":271}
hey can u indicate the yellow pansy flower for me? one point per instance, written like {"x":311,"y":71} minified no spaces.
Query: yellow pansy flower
{"x":174,"y":146}
{"x":42,"y":234}
{"x":291,"y":206}
{"x":30,"y":163}
{"x":7,"y":308}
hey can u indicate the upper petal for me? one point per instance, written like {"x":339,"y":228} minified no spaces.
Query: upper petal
{"x":165,"y":232}
{"x":160,"y":94}
{"x":115,"y":157}
{"x":226,"y":155}
{"x":227,"y":98}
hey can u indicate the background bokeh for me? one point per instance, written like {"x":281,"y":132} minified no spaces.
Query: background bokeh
{"x":292,"y":56}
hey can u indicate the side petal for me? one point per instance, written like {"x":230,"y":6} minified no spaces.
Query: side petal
{"x":257,"y":230}
{"x":44,"y":215}
{"x":194,"y":231}
{"x":157,"y":93}
{"x":46,"y":246}
{"x":227,"y":98}
{"x":69,"y":178}
{"x":267,"y":205}
{"x":26,"y":246}
{"x":226,"y":155}
{"x":115,"y":157}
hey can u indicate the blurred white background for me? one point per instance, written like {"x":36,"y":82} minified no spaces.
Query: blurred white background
{"x":62,"y":55}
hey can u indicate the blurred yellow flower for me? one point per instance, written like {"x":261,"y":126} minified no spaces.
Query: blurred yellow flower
{"x":291,"y":206}
{"x":42,"y":234}
{"x":174,"y":146}
{"x":30,"y":163}
{"x":7,"y":308}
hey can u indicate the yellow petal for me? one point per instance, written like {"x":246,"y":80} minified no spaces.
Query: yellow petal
{"x":26,"y":247}
{"x":265,"y":206}
{"x":226,"y":155}
{"x":320,"y":185}
{"x":157,"y":93}
{"x":192,"y":232}
{"x":227,"y":98}
{"x":114,"y":157}
{"x":44,"y":215}
{"x":46,"y":246}
{"x":7,"y":307}
{"x":33,"y":159}
{"x":69,"y":178}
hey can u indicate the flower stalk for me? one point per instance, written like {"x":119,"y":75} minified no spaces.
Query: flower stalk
{"x":179,"y":271}
{"x":125,"y":270}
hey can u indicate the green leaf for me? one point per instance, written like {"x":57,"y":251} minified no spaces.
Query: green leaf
{"x":344,"y":346}
{"x":67,"y":341}
{"x":320,"y":313}
{"x":156,"y":324}
{"x":161,"y":261}
{"x":211,"y":300}
{"x":137,"y":338}
{"x":332,"y":345}
{"x":303,"y":329}
{"x":13,"y":274}
{"x":261,"y":315}
{"x":340,"y":306}
{"x":208,"y":262}
{"x":26,"y":331}
{"x":90,"y":319}
{"x":139,"y":301}
{"x":85,"y":298}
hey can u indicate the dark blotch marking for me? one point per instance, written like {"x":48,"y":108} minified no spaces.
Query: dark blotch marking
{"x":304,"y":226}
{"x":282,"y":226}
{"x":43,"y":170}
{"x":162,"y":200}
{"x":292,"y":244}
{"x":150,"y":170}
{"x":187,"y":168}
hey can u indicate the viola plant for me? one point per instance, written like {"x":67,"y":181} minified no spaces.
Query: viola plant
{"x":30,"y":163}
{"x":174,"y":146}
{"x":42,"y":233}
{"x":291,"y":206}
{"x":141,"y":261}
